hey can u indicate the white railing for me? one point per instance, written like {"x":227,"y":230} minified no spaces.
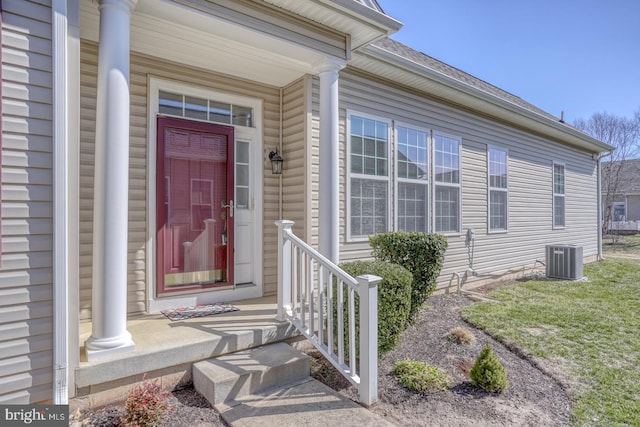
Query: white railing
{"x":199,"y":254}
{"x":311,"y":295}
{"x":624,"y":225}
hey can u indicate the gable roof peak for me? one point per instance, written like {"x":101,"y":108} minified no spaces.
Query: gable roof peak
{"x":371,"y":4}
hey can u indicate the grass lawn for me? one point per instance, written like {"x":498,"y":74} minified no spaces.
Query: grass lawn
{"x":624,"y":245}
{"x":588,"y":333}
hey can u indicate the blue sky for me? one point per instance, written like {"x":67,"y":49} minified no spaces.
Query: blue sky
{"x":576,"y":56}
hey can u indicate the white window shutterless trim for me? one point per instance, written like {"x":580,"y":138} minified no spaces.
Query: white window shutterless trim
{"x":374,"y":187}
{"x":497,"y":189}
{"x":447,"y":178}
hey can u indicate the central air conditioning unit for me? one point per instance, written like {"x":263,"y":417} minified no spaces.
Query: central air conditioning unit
{"x":564,"y":261}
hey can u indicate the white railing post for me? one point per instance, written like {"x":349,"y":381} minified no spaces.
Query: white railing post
{"x":368,"y":292}
{"x":284,"y":268}
{"x":296,"y":260}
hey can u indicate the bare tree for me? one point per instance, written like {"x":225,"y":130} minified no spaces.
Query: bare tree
{"x":624,"y":134}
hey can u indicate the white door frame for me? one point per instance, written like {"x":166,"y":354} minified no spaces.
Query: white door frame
{"x":155,"y":303}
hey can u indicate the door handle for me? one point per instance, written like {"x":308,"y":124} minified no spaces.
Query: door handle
{"x":230,"y":206}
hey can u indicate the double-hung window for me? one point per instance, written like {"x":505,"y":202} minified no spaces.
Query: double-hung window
{"x":558,"y":195}
{"x":498,"y":191}
{"x":369,"y":176}
{"x":447,"y":183}
{"x":412,"y":186}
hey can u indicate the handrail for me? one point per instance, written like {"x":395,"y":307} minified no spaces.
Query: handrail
{"x":311,"y":295}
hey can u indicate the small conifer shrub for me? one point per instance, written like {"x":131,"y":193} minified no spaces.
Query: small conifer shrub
{"x":488,"y":373}
{"x":146,"y":405}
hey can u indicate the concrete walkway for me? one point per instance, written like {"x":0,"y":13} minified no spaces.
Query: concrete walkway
{"x":306,"y":403}
{"x":270,"y":386}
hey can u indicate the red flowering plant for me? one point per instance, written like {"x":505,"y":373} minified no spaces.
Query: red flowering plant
{"x":146,"y":404}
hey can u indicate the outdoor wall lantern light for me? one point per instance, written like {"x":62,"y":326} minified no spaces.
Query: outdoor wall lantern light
{"x":276,"y":162}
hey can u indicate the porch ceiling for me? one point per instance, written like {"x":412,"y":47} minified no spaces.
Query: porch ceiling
{"x":192,"y":36}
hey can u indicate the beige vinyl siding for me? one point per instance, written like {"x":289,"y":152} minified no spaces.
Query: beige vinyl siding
{"x":26,"y":272}
{"x":141,"y":68}
{"x":314,"y":152}
{"x":295,"y":194}
{"x":530,"y":200}
{"x":88,"y":78}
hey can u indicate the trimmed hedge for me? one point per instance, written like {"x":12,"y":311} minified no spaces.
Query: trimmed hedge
{"x":394,"y":300}
{"x":420,"y":253}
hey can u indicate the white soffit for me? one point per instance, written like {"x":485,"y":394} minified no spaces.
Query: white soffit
{"x":184,"y":35}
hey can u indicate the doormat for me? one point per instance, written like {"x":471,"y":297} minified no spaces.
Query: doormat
{"x":183,"y":313}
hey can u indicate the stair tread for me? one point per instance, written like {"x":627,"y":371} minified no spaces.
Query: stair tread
{"x":307,"y":402}
{"x":250,"y":371}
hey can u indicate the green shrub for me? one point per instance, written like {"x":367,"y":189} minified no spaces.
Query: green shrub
{"x":421,"y":377}
{"x":394,"y":300}
{"x":420,"y":253}
{"x":488,"y":373}
{"x":146,"y":405}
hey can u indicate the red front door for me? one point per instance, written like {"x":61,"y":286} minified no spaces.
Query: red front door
{"x":195,"y":165}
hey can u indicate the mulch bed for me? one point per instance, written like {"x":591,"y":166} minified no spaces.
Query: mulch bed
{"x":533,"y":398}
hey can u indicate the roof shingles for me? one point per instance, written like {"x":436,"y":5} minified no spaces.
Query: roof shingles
{"x":424,"y":60}
{"x":628,"y":176}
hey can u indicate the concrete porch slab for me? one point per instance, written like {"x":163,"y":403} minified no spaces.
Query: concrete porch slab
{"x":164,"y":346}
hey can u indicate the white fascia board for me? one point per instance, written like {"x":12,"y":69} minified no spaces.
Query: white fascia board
{"x":451,"y":89}
{"x":363,"y":24}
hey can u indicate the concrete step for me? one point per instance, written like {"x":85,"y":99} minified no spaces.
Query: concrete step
{"x":306,"y":403}
{"x":247,"y":372}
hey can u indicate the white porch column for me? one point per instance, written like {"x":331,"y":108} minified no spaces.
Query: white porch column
{"x":109,"y":333}
{"x":329,"y":215}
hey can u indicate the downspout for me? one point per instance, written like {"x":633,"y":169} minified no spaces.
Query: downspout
{"x":600,"y":257}
{"x":60,"y":202}
{"x":280,"y":202}
{"x":599,"y":192}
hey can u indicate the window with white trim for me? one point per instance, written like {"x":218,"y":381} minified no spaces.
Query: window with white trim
{"x":368,"y":176}
{"x":191,"y":107}
{"x":243,"y":174}
{"x":558,"y":195}
{"x":619,"y":211}
{"x":422,"y":195}
{"x":498,"y":189}
{"x":447,"y":183}
{"x":412,"y":172}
